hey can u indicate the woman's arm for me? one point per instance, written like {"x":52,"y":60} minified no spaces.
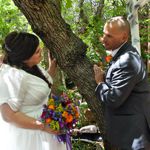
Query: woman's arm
{"x":19,"y":119}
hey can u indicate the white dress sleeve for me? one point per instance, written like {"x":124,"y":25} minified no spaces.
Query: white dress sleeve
{"x":12,"y":85}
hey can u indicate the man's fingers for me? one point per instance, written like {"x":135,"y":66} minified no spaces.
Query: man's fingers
{"x":97,"y":69}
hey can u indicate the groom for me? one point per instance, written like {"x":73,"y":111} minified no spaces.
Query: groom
{"x":124,"y":90}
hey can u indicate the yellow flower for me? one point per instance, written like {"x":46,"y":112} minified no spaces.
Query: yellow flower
{"x":51,"y":101}
{"x":59,"y":108}
{"x":65,"y":114}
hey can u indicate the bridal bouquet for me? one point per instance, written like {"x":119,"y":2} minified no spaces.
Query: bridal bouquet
{"x":61,"y":114}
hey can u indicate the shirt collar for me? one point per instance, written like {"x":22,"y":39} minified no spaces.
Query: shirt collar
{"x":114,"y":52}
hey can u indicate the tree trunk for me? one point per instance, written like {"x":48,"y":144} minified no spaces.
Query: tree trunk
{"x":44,"y":16}
{"x":148,"y":61}
{"x":132,"y":8}
{"x":134,"y":23}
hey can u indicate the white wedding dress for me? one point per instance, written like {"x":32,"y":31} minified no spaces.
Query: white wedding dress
{"x":25,"y":93}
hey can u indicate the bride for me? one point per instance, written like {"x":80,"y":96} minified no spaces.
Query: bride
{"x":24,"y":89}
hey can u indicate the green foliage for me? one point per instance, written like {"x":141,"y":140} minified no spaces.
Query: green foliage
{"x":68,"y":3}
{"x":114,"y":8}
{"x":80,"y":145}
{"x":82,"y":119}
{"x":144,"y":23}
{"x":11,"y":19}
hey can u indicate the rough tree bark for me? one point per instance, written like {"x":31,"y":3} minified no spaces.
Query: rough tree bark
{"x":44,"y":16}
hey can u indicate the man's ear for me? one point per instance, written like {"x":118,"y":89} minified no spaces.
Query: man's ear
{"x":125,"y":36}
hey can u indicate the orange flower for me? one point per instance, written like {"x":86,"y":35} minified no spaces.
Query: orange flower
{"x":76,"y":112}
{"x":108,"y":58}
{"x":48,"y":120}
{"x":77,"y":115}
{"x":69,"y":118}
{"x":51,"y":107}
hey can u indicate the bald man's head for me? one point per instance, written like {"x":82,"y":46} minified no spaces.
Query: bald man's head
{"x":116,"y":32}
{"x":120,"y":22}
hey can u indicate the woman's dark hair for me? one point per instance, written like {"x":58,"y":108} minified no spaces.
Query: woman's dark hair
{"x":20,"y":46}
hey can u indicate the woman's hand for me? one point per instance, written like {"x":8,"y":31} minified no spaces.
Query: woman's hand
{"x":52,"y":65}
{"x":51,"y":131}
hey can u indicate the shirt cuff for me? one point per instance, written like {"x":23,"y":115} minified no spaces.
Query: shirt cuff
{"x":98,"y":85}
